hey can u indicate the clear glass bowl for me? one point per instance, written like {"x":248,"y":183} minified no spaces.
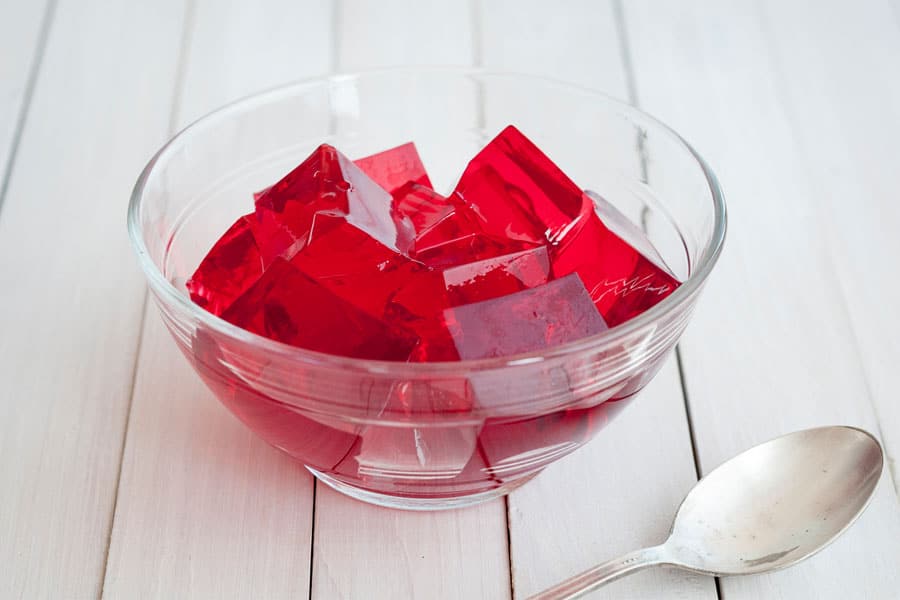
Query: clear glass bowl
{"x":429,"y":435}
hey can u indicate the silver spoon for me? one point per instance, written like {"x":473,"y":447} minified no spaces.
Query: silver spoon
{"x":767,"y":508}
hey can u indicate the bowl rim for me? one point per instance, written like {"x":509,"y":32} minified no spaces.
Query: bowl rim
{"x":168,"y":293}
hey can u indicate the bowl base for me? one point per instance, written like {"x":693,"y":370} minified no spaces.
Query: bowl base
{"x":417,"y":504}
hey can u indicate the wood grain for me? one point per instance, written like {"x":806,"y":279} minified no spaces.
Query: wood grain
{"x":20,"y":51}
{"x":772,"y":348}
{"x":70,"y":293}
{"x":620,"y":491}
{"x":206,"y":509}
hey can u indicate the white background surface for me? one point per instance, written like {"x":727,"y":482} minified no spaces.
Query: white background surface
{"x":122,"y":477}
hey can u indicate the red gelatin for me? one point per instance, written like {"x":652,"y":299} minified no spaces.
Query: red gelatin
{"x":518,"y":192}
{"x":447,"y":232}
{"x":621,"y":281}
{"x":393,"y":168}
{"x":235,"y":262}
{"x":331,"y":262}
{"x":353,"y":266}
{"x":513,"y":185}
{"x":420,"y":303}
{"x":287,"y":306}
{"x":548,"y":315}
{"x":232,"y":265}
{"x":328,"y":184}
{"x":419,"y":452}
{"x":498,"y":276}
{"x":626,"y":230}
{"x":350,"y":240}
{"x":510,"y":447}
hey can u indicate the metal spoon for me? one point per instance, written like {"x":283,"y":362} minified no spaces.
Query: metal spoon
{"x":767,"y":508}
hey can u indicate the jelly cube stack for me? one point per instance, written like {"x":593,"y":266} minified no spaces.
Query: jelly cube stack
{"x":365,"y":259}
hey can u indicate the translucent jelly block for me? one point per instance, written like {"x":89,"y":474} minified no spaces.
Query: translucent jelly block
{"x":415,"y":453}
{"x":510,"y":448}
{"x":232,"y":265}
{"x":287,"y":306}
{"x":518,"y":192}
{"x":280,"y":424}
{"x":621,"y":281}
{"x":418,"y":305}
{"x":235,"y":262}
{"x":393,"y":168}
{"x":420,"y":454}
{"x":352,"y":265}
{"x":447,"y":232}
{"x":626,"y":229}
{"x":328,"y":184}
{"x":498,"y":276}
{"x":425,"y":208}
{"x":545,"y":316}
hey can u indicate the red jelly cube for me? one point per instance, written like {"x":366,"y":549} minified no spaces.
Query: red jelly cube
{"x":350,"y":239}
{"x":447,"y":232}
{"x":352,"y":265}
{"x":621,"y":281}
{"x":418,"y":305}
{"x":328,"y":184}
{"x":287,"y":306}
{"x":235,"y":262}
{"x":393,"y":168}
{"x":548,"y":315}
{"x":232,"y":266}
{"x":419,"y":453}
{"x":518,"y":192}
{"x":626,"y":229}
{"x":497,"y":276}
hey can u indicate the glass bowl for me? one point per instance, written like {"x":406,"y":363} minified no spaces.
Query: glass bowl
{"x":426,"y":435}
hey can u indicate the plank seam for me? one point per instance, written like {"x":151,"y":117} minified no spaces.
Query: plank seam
{"x":312,"y":536}
{"x":509,"y":556}
{"x":780,"y":79}
{"x":174,"y":111}
{"x":30,"y":83}
{"x":476,"y":15}
{"x":181,"y":68}
{"x":335,"y":39}
{"x":632,"y":90}
{"x":112,"y":513}
{"x":334,"y":65}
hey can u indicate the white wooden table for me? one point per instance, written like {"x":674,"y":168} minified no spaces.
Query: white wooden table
{"x":122,"y":477}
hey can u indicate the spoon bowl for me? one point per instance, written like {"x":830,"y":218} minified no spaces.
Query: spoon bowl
{"x":777,"y":503}
{"x":768,"y":508}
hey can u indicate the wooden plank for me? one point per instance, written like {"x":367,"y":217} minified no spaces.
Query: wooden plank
{"x":205,"y":508}
{"x":398,"y":32}
{"x":620,"y":491}
{"x":771,"y":348}
{"x":20,"y":49}
{"x":69,"y":290}
{"x":847,"y":143}
{"x":616,"y":494}
{"x":364,"y":551}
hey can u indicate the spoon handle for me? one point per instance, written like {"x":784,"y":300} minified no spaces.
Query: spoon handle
{"x":602,"y":574}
